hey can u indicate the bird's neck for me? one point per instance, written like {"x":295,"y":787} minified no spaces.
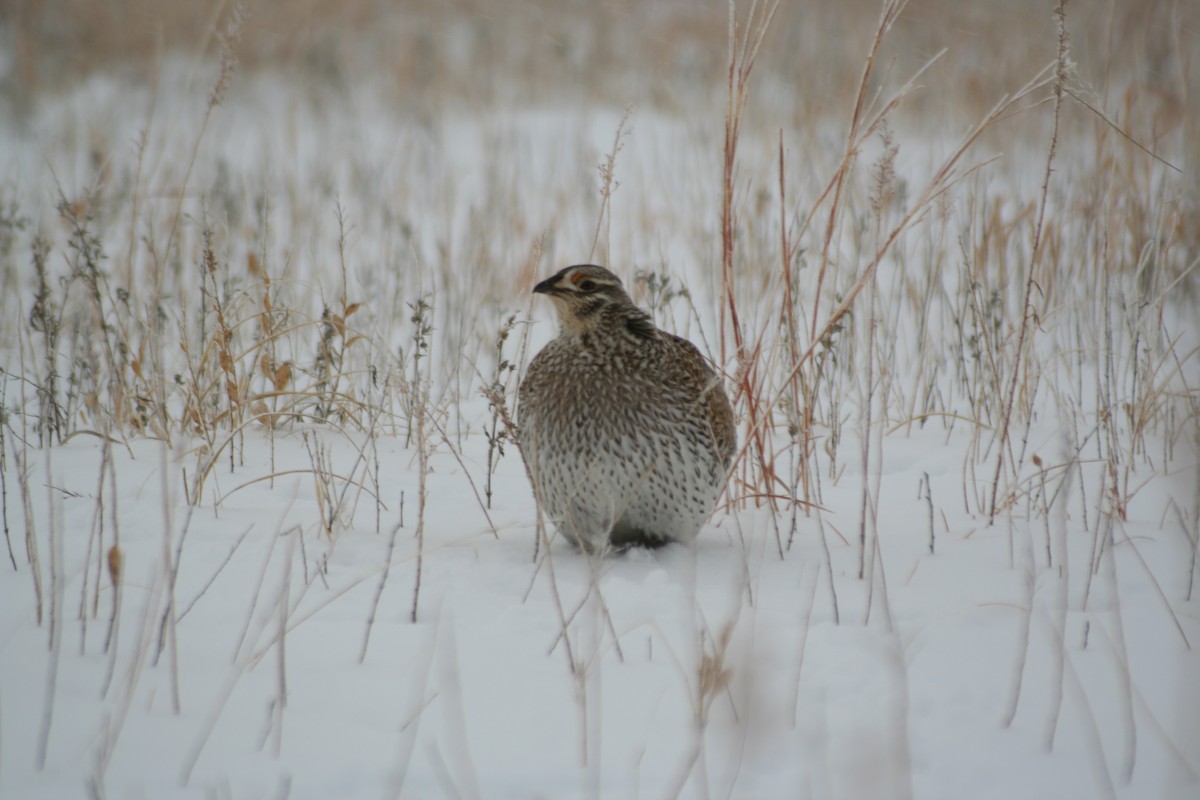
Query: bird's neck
{"x":609,"y":328}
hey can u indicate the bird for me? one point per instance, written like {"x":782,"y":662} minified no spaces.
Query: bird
{"x":626,"y":432}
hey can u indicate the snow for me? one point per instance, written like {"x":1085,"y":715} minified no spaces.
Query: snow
{"x":479,"y":696}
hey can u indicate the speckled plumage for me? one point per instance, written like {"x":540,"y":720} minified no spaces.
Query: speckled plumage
{"x":626,"y":431}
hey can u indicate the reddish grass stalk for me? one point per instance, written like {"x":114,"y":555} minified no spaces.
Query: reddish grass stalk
{"x":741,"y":63}
{"x":800,"y":425}
{"x":854,"y":140}
{"x":944,"y":178}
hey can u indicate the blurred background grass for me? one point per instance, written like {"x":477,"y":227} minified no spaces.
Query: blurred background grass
{"x":621,"y":51}
{"x":463,"y":137}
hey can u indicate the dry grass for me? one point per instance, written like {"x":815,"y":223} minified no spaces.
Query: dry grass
{"x":464,"y":48}
{"x":933,"y":214}
{"x":125,"y":337}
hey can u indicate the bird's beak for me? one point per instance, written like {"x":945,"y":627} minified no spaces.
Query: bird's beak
{"x":548,"y":286}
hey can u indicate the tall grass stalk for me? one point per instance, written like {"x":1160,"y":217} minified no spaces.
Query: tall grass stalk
{"x":1062,"y":72}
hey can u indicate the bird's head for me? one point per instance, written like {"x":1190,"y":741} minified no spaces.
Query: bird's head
{"x":583,"y":293}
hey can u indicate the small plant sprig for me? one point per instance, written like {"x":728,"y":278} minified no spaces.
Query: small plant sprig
{"x":335,"y":340}
{"x":271,"y":323}
{"x":325,"y":484}
{"x":87,"y":254}
{"x":658,"y":289}
{"x":609,"y":184}
{"x":420,"y":421}
{"x":422,"y":331}
{"x":4,"y":474}
{"x":497,"y":430}
{"x":223,"y":337}
{"x":12,"y":223}
{"x":45,"y":319}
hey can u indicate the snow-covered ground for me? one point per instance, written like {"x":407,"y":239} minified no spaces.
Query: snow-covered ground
{"x":200,"y":604}
{"x":262,"y":683}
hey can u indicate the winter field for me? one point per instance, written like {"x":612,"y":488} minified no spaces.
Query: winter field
{"x":265,"y":303}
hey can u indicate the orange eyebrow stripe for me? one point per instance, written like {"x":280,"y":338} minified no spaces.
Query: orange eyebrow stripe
{"x":577,"y":277}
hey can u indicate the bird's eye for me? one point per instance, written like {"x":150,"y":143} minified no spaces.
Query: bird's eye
{"x":586,"y":285}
